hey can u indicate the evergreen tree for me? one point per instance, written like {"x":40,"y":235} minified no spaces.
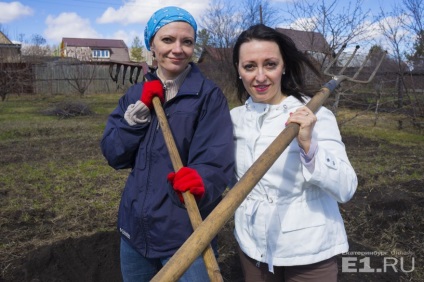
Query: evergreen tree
{"x":136,"y":53}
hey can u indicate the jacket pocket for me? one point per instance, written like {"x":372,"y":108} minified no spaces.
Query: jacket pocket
{"x":140,"y":161}
{"x":243,"y":221}
{"x":296,"y":216}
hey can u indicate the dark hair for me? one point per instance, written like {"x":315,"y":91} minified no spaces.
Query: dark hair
{"x":292,"y":82}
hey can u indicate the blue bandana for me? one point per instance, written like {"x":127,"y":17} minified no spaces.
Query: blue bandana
{"x":165,"y":16}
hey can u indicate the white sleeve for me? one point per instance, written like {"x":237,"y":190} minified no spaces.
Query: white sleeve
{"x":332,"y":170}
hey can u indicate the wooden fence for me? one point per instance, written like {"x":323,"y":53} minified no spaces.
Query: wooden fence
{"x":67,"y":77}
{"x":70,"y":78}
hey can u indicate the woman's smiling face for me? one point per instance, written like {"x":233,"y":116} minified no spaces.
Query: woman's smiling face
{"x":261,"y":67}
{"x":173,"y":46}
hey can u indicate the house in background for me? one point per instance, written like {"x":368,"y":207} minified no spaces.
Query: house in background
{"x":307,"y":41}
{"x":314,"y":45}
{"x":90,"y":49}
{"x":9,"y":52}
{"x":211,"y":54}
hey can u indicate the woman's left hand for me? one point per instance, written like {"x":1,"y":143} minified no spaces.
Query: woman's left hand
{"x":306,"y":119}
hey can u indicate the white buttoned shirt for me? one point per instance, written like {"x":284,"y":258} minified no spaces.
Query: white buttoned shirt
{"x":291,"y":217}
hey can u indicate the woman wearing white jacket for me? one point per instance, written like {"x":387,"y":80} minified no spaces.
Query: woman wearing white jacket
{"x":289,"y":228}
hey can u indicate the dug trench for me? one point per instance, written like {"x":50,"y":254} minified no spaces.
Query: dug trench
{"x":384,"y":223}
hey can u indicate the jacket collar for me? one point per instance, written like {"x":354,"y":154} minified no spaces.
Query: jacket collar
{"x":193,"y":82}
{"x":289,"y":102}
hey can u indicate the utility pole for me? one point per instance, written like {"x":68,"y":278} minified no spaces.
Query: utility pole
{"x":260,"y":13}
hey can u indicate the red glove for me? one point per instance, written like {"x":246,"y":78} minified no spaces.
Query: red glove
{"x":151,"y":89}
{"x":187,"y":179}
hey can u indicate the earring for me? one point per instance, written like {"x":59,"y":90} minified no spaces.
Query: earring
{"x":284,"y":72}
{"x":240,"y":77}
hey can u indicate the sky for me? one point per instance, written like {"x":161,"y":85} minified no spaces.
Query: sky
{"x":111,"y":19}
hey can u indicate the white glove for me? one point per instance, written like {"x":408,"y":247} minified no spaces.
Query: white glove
{"x":137,"y":113}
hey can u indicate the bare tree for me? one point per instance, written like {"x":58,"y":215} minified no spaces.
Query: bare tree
{"x":78,"y":74}
{"x":78,"y":70}
{"x":415,"y":23}
{"x":415,"y":9}
{"x":15,"y":76}
{"x":221,"y":25}
{"x":339,"y":25}
{"x":222,"y":21}
{"x":35,"y":49}
{"x":393,"y":30}
{"x":258,"y":11}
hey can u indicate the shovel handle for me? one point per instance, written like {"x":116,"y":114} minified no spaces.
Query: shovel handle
{"x":190,"y":203}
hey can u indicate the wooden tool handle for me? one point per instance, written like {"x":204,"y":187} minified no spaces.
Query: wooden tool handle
{"x":189,"y":200}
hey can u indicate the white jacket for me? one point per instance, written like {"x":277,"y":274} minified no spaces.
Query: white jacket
{"x":291,"y":217}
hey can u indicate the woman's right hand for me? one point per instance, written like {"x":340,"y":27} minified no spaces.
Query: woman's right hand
{"x":306,"y":120}
{"x":150,"y":90}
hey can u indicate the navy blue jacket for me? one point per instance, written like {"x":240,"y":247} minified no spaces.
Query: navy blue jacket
{"x":150,"y":218}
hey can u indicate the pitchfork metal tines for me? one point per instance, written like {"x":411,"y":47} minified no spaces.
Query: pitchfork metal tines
{"x":339,"y":77}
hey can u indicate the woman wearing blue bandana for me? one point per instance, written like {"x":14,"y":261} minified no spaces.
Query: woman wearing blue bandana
{"x":152,"y":219}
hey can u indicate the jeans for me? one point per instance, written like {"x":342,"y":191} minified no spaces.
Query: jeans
{"x":137,"y":268}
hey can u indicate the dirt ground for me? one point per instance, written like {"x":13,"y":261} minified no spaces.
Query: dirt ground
{"x":378,"y":219}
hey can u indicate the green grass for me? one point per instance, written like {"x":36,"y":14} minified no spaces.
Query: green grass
{"x":52,"y":168}
{"x":385,"y":128}
{"x":389,"y":157}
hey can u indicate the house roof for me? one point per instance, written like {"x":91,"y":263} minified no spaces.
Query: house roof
{"x":94,"y":42}
{"x":4,"y":39}
{"x":307,"y":40}
{"x":10,"y":46}
{"x":217,"y":54}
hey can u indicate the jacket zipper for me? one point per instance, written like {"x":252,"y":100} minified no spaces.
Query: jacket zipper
{"x":164,"y":95}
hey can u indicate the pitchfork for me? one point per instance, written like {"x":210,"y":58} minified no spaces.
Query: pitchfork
{"x":210,"y":227}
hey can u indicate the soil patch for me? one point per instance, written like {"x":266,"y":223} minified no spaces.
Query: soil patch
{"x":96,"y":258}
{"x":384,"y":223}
